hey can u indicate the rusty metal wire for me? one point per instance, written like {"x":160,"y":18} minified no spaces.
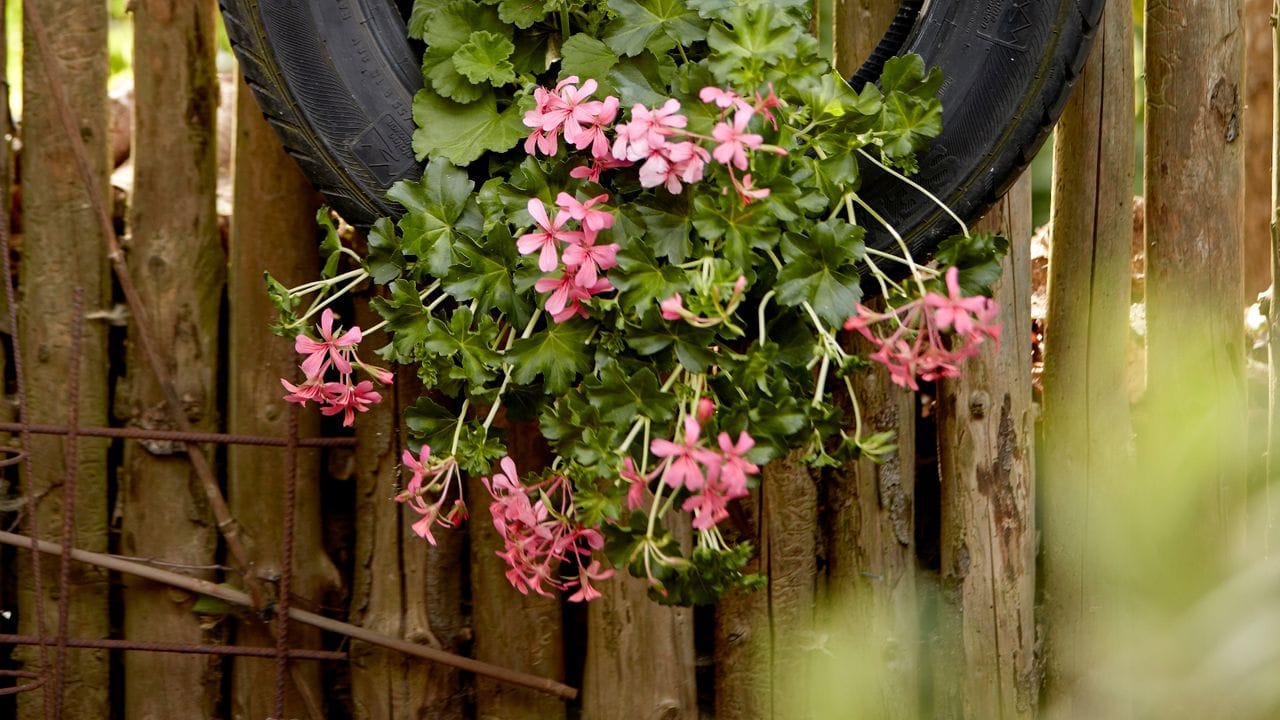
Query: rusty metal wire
{"x":70,"y":472}
{"x":175,"y":436}
{"x":257,"y":596}
{"x":179,"y":648}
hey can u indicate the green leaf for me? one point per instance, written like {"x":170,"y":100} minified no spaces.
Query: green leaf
{"x":408,"y":321}
{"x":586,"y":57}
{"x":820,"y":269}
{"x":440,"y":209}
{"x":471,"y":348}
{"x":621,"y":397}
{"x":763,"y":36}
{"x":286,"y":305}
{"x":484,"y":271}
{"x":484,"y":59}
{"x":978,"y":257}
{"x":523,"y":13}
{"x":644,"y":281}
{"x":331,"y":245}
{"x":558,"y":353}
{"x":449,"y":30}
{"x":385,"y":261}
{"x":431,"y":424}
{"x":462,"y":133}
{"x":420,"y":17}
{"x":658,"y":25}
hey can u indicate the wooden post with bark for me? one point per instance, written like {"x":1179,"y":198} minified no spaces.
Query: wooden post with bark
{"x":520,"y":632}
{"x":62,"y":250}
{"x":871,"y":613}
{"x":179,"y":266}
{"x":401,"y":585}
{"x":1193,"y":430}
{"x":273,"y":229}
{"x":987,"y":664}
{"x":1086,"y":453}
{"x":1259,"y":81}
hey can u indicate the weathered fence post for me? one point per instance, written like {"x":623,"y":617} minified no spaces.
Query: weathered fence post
{"x":520,"y":632}
{"x":640,"y":659}
{"x":871,"y":616}
{"x":1193,"y":431}
{"x":1086,"y":453}
{"x":401,"y":586}
{"x":62,"y":250}
{"x":1258,"y":84}
{"x":273,"y":229}
{"x":178,"y":264}
{"x":1271,"y":494}
{"x":985,"y":447}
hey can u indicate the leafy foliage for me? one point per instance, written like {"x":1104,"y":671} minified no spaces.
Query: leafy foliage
{"x":727,"y":290}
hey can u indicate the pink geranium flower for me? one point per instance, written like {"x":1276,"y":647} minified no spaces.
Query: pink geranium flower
{"x":546,"y":238}
{"x":593,"y":220}
{"x":349,"y":399}
{"x":648,"y":130}
{"x":954,"y":309}
{"x":735,"y":141}
{"x":598,"y":165}
{"x":590,"y":260}
{"x":311,"y":390}
{"x":686,"y":459}
{"x":723,"y":99}
{"x":674,"y":165}
{"x":331,"y":348}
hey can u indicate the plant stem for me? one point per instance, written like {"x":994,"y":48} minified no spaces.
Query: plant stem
{"x":319,"y":304}
{"x":457,"y":430}
{"x":764,"y":302}
{"x":902,"y":244}
{"x":964,"y":228}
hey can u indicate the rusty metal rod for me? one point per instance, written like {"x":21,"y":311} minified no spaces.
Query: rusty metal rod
{"x":204,"y":587}
{"x":186,"y":648}
{"x":176,"y":436}
{"x":227,"y":524}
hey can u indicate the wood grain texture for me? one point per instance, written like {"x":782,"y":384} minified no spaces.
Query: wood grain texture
{"x":273,"y":229}
{"x":743,"y":638}
{"x":63,"y":249}
{"x":402,"y":586}
{"x":179,"y":267}
{"x":985,"y":449}
{"x":640,"y":660}
{"x":871,"y":612}
{"x":1193,"y":430}
{"x":1086,"y":453}
{"x":520,"y":632}
{"x":1258,"y":84}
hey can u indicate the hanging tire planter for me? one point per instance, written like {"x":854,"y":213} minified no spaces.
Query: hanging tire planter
{"x":338,"y":85}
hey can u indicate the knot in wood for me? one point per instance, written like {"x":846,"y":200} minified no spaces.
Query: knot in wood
{"x":979,"y":401}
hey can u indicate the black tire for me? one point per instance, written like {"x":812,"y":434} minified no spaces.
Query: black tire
{"x":337,"y":82}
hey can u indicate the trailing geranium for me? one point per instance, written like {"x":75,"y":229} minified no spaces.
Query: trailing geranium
{"x":664,"y":247}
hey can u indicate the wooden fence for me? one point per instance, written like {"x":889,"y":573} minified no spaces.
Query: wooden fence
{"x":960,"y":579}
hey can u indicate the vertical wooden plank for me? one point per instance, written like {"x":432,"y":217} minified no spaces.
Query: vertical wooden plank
{"x":1087,"y":435}
{"x":63,"y":248}
{"x":789,"y":549}
{"x":521,"y":632}
{"x":273,"y":229}
{"x":178,"y":264}
{"x":985,"y":446}
{"x":377,"y":583}
{"x":1271,"y":494}
{"x":1257,"y":141}
{"x":872,"y":614}
{"x":743,"y":681}
{"x":403,"y":587}
{"x":1194,"y":433}
{"x":640,"y":659}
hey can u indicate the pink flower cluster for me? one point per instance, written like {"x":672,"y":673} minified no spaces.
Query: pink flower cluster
{"x":440,"y":479}
{"x":670,"y":156}
{"x":931,"y":336}
{"x":713,"y":477}
{"x":538,"y":538}
{"x":334,"y":350}
{"x":583,"y":262}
